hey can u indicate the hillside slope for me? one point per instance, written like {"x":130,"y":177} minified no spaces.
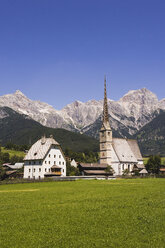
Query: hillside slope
{"x":20,"y":129}
{"x":151,"y":137}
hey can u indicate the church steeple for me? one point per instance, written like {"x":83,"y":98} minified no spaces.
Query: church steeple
{"x":105,"y":106}
{"x":105,"y":133}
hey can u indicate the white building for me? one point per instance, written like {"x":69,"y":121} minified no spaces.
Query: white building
{"x":45,"y":158}
{"x":120,"y":154}
{"x":73,"y":163}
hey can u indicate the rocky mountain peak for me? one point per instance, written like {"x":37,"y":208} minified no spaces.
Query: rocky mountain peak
{"x":132,"y":111}
{"x":141,"y":96}
{"x":18,"y":94}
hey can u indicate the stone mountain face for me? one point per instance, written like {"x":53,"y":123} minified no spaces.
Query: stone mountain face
{"x":39,"y":111}
{"x":127,"y":116}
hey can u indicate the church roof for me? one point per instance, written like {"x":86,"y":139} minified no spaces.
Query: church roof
{"x":135,"y":148}
{"x":40,"y":148}
{"x":123,"y":150}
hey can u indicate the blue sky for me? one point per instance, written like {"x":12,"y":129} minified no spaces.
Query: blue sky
{"x":58,"y":51}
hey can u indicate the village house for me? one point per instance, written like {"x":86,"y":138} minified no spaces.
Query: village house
{"x":73,"y":163}
{"x":44,"y":159}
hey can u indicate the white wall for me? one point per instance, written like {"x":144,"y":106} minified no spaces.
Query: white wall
{"x":120,"y":167}
{"x":38,"y":168}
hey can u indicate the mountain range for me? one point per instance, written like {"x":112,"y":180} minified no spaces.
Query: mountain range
{"x":128,"y":116}
{"x":20,"y":129}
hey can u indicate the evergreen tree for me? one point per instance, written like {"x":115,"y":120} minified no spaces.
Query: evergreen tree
{"x":153,"y":164}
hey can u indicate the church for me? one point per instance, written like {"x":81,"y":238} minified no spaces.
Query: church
{"x":121,"y":154}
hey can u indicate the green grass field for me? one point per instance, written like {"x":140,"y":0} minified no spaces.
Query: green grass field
{"x":118,"y":213}
{"x":162,"y":160}
{"x":13,"y":152}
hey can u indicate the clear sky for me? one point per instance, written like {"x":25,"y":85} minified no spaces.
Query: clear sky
{"x":58,"y":51}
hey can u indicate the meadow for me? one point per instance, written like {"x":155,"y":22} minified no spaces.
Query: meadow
{"x":162,"y":160}
{"x":13,"y":152}
{"x":116,"y":213}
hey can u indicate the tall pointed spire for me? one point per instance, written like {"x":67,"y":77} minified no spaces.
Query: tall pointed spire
{"x":105,"y":133}
{"x":105,"y":107}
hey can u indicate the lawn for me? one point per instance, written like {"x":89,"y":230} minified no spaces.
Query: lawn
{"x":13,"y":152}
{"x":118,"y":213}
{"x":162,"y":160}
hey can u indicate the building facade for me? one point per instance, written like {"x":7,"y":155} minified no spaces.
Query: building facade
{"x":45,"y":158}
{"x":121,"y":154}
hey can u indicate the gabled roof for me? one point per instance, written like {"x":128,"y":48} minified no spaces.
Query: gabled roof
{"x":140,"y":166}
{"x":40,"y":148}
{"x":123,"y":150}
{"x":144,"y":171}
{"x":135,"y":148}
{"x":115,"y":158}
{"x":96,"y":172}
{"x":15,"y":166}
{"x":93,"y":165}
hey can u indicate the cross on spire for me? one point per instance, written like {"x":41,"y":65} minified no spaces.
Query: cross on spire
{"x":105,"y":107}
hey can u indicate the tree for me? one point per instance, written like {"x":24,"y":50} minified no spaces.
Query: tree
{"x":125,"y":172}
{"x":153,"y":164}
{"x":2,"y":173}
{"x":71,"y":170}
{"x":5,"y":157}
{"x":109,"y":170}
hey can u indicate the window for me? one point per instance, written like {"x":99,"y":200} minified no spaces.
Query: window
{"x":63,"y":170}
{"x":49,"y":162}
{"x":109,"y":133}
{"x":60,"y":162}
{"x":45,"y":169}
{"x":54,"y":162}
{"x":54,"y":156}
{"x":123,"y":166}
{"x":102,"y":145}
{"x":29,"y":170}
{"x":39,"y":162}
{"x":45,"y":162}
{"x":102,"y":134}
{"x":49,"y":170}
{"x":49,"y":155}
{"x":129,"y":167}
{"x":34,"y":162}
{"x":59,"y":156}
{"x":34,"y":170}
{"x":39,"y":169}
{"x":39,"y":177}
{"x":29,"y":162}
{"x":63,"y":163}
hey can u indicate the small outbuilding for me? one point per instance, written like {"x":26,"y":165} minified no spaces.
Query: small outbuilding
{"x":143,"y":172}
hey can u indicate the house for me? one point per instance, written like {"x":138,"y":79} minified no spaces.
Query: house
{"x":143,"y":172}
{"x":44,"y":159}
{"x":73,"y":163}
{"x":11,"y":174}
{"x":162,"y":170}
{"x":93,"y":169}
{"x":16,"y":166}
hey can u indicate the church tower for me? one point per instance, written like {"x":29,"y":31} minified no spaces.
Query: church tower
{"x":105,"y":133}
